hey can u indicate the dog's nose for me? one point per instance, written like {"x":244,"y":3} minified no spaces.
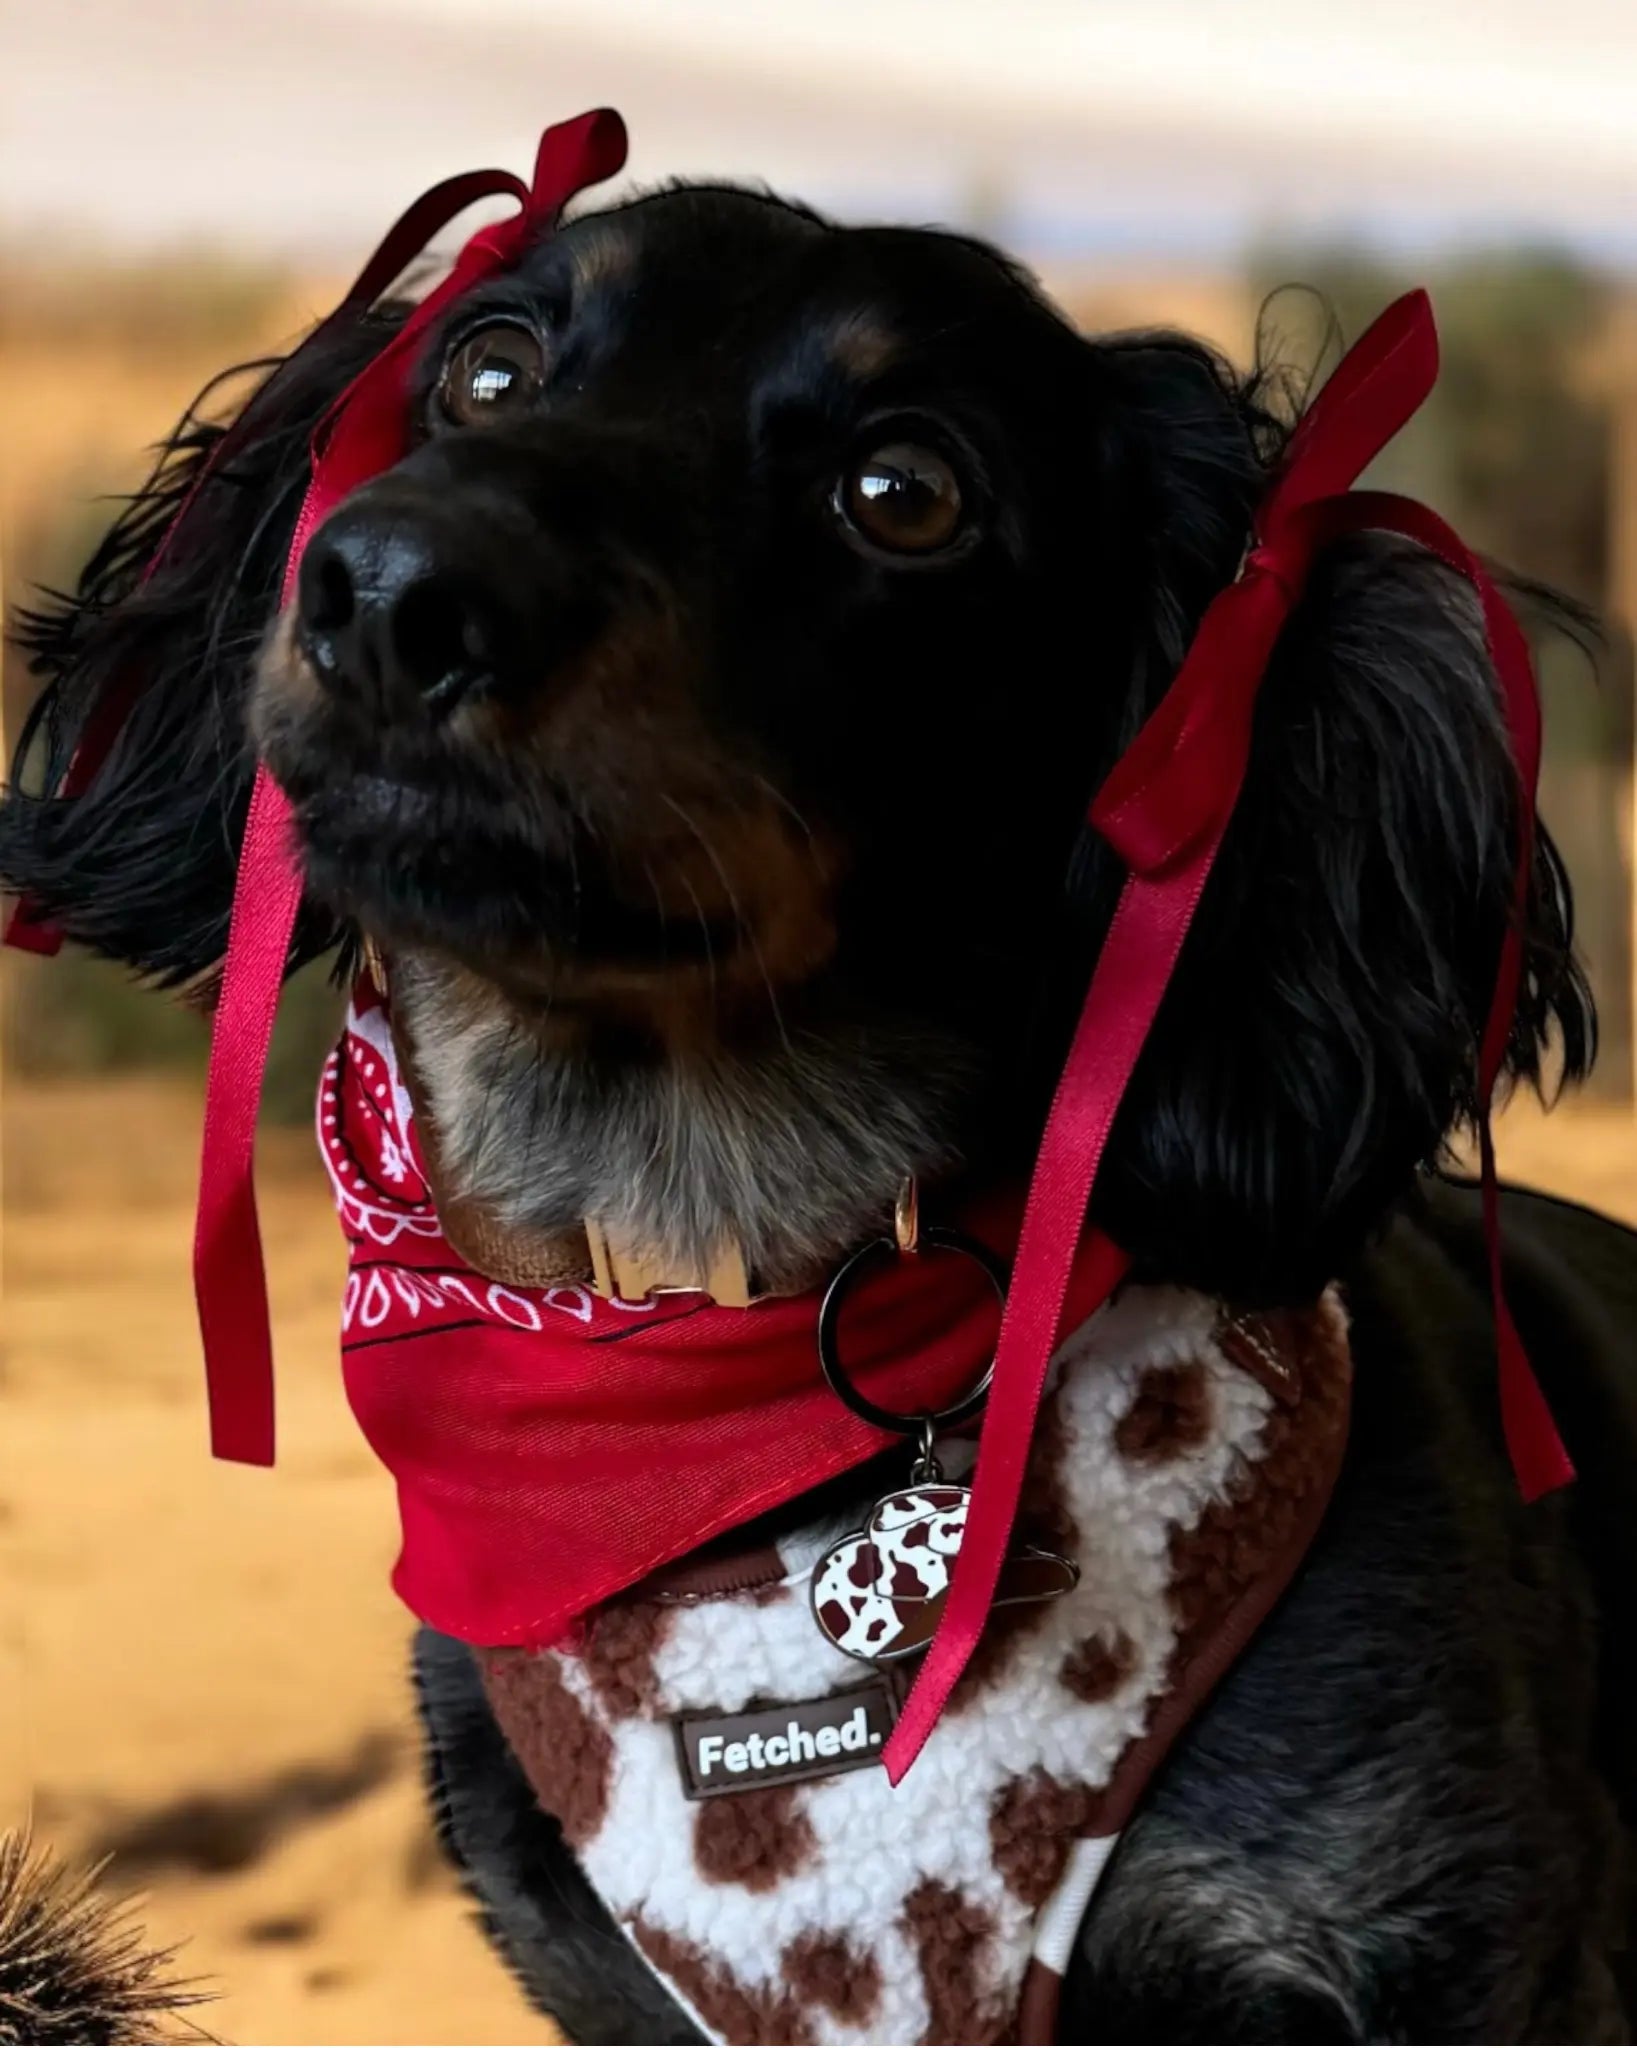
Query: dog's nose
{"x":384,"y":615}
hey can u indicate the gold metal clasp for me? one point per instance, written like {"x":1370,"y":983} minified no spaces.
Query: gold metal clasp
{"x":620,"y":1273}
{"x":906,"y":1216}
{"x":374,"y":964}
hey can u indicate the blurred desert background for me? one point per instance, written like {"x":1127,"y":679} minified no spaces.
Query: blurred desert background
{"x":202,"y":1671}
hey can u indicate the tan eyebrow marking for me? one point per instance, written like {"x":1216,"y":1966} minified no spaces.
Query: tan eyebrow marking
{"x":861,"y":345}
{"x":600,"y":256}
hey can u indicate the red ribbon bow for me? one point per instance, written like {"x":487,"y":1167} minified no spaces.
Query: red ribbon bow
{"x":363,"y":433}
{"x":1164,"y":809}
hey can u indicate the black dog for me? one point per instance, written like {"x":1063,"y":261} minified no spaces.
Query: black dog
{"x":703,"y":714}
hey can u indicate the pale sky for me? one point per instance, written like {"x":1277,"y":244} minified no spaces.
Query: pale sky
{"x":1143,"y":128}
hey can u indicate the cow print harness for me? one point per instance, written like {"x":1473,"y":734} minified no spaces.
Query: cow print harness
{"x":1184,"y":1458}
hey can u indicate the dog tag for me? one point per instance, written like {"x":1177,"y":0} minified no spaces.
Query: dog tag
{"x":879,"y":1595}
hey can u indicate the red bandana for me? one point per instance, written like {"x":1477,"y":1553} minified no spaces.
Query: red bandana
{"x":551,"y":1447}
{"x":539,"y":1472}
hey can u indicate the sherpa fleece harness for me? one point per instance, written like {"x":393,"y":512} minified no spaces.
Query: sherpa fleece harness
{"x":1186,"y":1458}
{"x":1164,"y":809}
{"x":713,"y":1758}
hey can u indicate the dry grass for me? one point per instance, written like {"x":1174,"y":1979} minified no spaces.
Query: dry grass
{"x":75,"y":1964}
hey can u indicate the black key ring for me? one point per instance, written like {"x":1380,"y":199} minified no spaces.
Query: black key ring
{"x":849,"y":1273}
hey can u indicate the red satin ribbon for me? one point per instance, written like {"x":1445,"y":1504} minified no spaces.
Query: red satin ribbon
{"x":1164,"y":808}
{"x":363,"y":433}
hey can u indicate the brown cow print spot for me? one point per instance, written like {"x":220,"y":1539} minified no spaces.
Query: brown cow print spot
{"x":825,"y":1969}
{"x":952,"y":1937}
{"x":621,"y":1644}
{"x":567,"y":1757}
{"x":754,"y":1839}
{"x":1004,"y":1633}
{"x":1170,"y":1416}
{"x":1045,"y":1520}
{"x":1098,"y":1666}
{"x":1032,"y":1822}
{"x":733,"y":2011}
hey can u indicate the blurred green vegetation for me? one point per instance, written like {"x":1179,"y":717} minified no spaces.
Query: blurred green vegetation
{"x":74,"y":1015}
{"x":1515,"y":444}
{"x":128,"y":333}
{"x":143,"y":308}
{"x":1516,"y":448}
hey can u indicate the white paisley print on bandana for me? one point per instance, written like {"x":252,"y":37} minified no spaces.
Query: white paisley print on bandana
{"x":404,"y":1275}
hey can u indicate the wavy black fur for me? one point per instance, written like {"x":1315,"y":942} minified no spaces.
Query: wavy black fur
{"x":139,"y":868}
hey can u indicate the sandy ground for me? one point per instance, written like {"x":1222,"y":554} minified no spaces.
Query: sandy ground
{"x":204,"y":1669}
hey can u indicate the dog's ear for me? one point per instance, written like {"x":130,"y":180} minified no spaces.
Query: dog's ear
{"x":1320,"y":1038}
{"x":150,"y":657}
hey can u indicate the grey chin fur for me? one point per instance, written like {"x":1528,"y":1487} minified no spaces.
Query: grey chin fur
{"x":795,"y":1153}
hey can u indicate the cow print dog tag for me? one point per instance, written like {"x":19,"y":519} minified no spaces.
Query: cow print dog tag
{"x":880,"y":1594}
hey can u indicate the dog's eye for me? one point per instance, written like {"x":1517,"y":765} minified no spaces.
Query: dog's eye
{"x":904,"y":498}
{"x":495,"y":375}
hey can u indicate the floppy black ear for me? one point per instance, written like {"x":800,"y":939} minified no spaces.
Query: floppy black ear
{"x":1319,"y":1040}
{"x":139,"y":865}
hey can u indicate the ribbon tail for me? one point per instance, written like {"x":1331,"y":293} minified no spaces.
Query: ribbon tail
{"x":1132,"y":973}
{"x":1539,"y":1459}
{"x":997,"y":1484}
{"x":230,"y":1283}
{"x":29,"y":930}
{"x":572,"y":155}
{"x":360,"y":435}
{"x":1540,"y":1462}
{"x":1377,"y":388}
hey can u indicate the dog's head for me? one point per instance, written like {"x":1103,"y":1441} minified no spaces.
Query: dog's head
{"x":703,"y":715}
